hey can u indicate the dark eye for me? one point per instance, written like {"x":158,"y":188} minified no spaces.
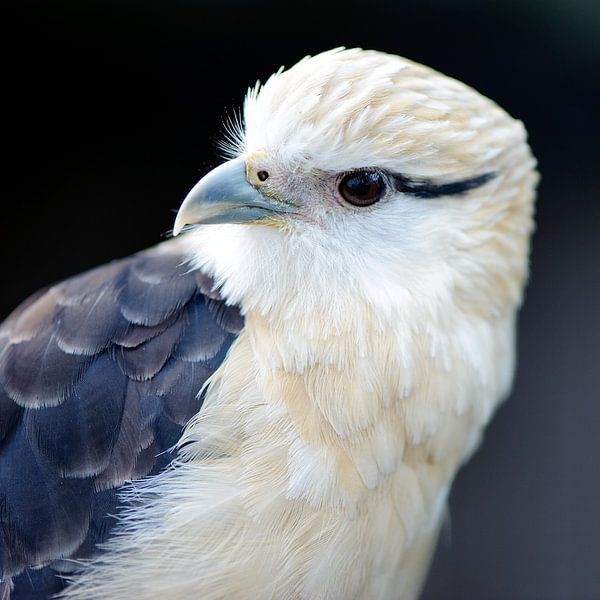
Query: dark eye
{"x":362,"y":188}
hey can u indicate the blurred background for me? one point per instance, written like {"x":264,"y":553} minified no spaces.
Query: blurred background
{"x":115,"y":109}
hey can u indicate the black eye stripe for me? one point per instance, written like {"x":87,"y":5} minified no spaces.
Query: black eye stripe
{"x":418,"y":188}
{"x":426,"y":189}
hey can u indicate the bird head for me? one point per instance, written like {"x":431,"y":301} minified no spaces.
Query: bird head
{"x":362,"y":178}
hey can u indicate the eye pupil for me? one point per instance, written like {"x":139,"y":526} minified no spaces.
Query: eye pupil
{"x":263,"y":175}
{"x":362,"y":188}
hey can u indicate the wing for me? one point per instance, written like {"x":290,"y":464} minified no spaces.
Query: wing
{"x":98,"y":375}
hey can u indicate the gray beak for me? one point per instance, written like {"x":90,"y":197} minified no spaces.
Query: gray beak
{"x":226,"y":196}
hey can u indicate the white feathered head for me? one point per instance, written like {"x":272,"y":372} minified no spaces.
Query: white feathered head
{"x":365,"y":177}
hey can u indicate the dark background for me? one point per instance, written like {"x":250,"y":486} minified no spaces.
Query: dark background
{"x":114,"y":110}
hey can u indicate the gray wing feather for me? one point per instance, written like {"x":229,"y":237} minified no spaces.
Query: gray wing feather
{"x":98,"y":374}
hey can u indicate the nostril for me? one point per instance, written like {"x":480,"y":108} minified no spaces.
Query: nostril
{"x":263,"y":175}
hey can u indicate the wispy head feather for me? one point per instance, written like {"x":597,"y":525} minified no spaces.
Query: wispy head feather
{"x":232,"y":143}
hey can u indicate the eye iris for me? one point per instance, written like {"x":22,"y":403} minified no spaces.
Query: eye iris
{"x":362,"y":188}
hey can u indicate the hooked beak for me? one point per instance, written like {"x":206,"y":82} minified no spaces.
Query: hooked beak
{"x":226,"y":196}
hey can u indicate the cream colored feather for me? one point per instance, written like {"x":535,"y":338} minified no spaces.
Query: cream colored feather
{"x":377,"y":345}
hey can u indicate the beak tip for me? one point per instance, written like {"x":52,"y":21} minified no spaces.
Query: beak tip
{"x":181,"y":220}
{"x":177,"y":229}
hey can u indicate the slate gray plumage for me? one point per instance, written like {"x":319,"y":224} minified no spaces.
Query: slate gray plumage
{"x":98,"y":375}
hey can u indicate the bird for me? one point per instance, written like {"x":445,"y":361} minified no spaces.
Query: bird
{"x":274,"y":402}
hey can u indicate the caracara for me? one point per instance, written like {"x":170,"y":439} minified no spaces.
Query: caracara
{"x":274,"y":404}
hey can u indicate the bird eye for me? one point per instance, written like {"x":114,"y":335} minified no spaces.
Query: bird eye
{"x":362,"y":188}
